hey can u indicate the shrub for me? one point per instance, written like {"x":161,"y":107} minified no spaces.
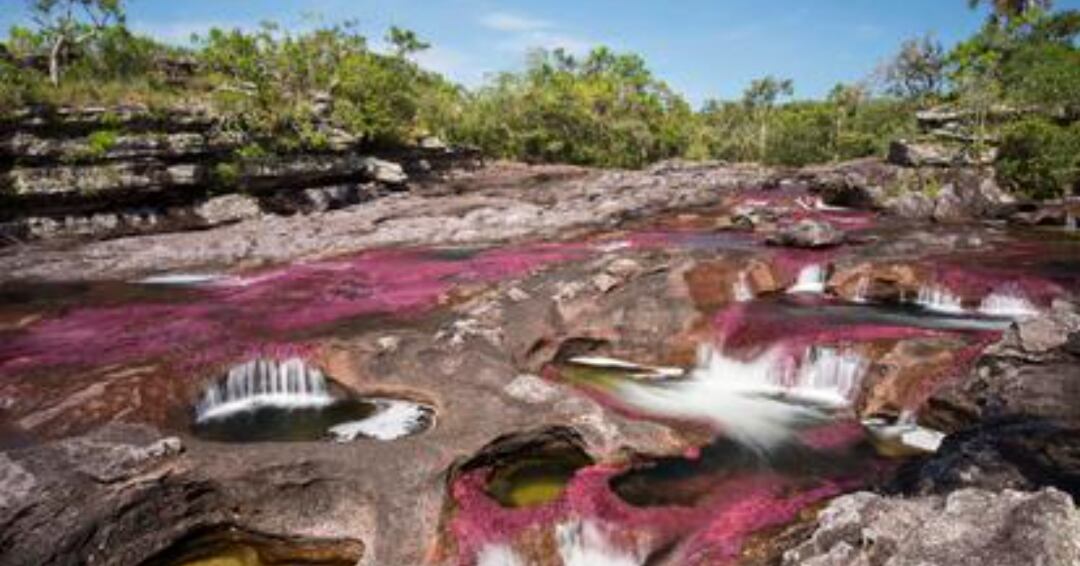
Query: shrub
{"x":1041,"y":159}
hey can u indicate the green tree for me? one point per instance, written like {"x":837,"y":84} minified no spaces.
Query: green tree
{"x":67,"y":24}
{"x":405,"y":42}
{"x":917,"y":72}
{"x":846,"y":100}
{"x":760,"y":98}
{"x":1009,"y":10}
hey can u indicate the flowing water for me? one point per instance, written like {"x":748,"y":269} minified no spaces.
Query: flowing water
{"x":811,"y":280}
{"x":771,"y":400}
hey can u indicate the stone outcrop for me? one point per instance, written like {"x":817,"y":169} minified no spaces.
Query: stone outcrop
{"x":952,"y":194}
{"x":967,"y":527}
{"x":128,"y":170}
{"x":1032,"y":372}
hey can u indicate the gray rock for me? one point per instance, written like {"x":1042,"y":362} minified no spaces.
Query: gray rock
{"x":228,"y":209}
{"x":808,"y":233}
{"x":914,"y":154}
{"x":385,"y":171}
{"x":966,"y":528}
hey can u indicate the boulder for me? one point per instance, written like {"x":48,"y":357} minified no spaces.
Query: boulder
{"x":1018,"y":453}
{"x":383,"y":171}
{"x":970,"y":527}
{"x":916,"y":154}
{"x":808,"y":233}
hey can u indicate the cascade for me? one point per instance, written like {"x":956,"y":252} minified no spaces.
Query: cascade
{"x":862,"y":290}
{"x":939,"y":299}
{"x":264,"y":383}
{"x":742,"y":291}
{"x":580,"y":543}
{"x":756,"y":402}
{"x":811,"y":280}
{"x":1070,"y":222}
{"x":1008,"y":302}
{"x":392,"y":420}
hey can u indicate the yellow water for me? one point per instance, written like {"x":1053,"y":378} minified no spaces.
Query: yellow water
{"x":232,"y":556}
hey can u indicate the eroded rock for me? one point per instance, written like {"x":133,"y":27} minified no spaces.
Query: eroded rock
{"x":968,"y":527}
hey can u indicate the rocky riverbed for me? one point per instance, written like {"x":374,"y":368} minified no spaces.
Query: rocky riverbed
{"x":691,"y":364}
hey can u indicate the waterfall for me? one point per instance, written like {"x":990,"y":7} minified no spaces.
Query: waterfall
{"x":392,"y":420}
{"x":862,"y":289}
{"x":1070,"y":222}
{"x":830,"y":375}
{"x":584,"y":543}
{"x":1008,"y":302}
{"x":179,"y":279}
{"x":580,"y":543}
{"x":264,"y":383}
{"x":756,"y":402}
{"x":938,"y":298}
{"x":741,"y":290}
{"x":811,"y":280}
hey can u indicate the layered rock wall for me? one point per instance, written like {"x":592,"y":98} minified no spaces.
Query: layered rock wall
{"x":105,"y":172}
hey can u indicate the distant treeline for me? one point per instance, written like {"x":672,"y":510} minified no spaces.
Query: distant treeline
{"x":289,"y":92}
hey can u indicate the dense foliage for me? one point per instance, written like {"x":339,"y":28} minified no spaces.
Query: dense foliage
{"x":1016,"y":83}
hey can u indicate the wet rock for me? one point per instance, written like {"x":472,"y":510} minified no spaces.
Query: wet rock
{"x":886,"y":282}
{"x":899,"y":379}
{"x":228,"y":209}
{"x":966,"y":528}
{"x":808,"y":233}
{"x":1020,"y":453}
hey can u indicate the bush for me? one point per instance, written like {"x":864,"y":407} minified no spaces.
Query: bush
{"x":1041,"y":159}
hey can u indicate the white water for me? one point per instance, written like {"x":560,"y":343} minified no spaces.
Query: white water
{"x":392,"y":420}
{"x":1008,"y":302}
{"x":580,"y":543}
{"x":940,"y":299}
{"x":861,"y":290}
{"x":758,"y":402}
{"x":584,"y":543}
{"x":741,"y":290}
{"x":811,"y":280}
{"x":265,"y":383}
{"x":180,"y":279}
{"x":1070,"y":222}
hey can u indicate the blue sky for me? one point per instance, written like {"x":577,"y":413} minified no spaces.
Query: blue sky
{"x":702,"y":48}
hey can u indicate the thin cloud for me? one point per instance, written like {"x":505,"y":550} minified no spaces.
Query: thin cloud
{"x":506,"y":22}
{"x":547,"y":40}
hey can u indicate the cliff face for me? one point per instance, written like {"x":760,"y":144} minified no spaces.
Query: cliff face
{"x":107,"y":172}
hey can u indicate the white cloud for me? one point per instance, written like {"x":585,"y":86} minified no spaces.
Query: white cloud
{"x":547,"y":40}
{"x":506,"y":22}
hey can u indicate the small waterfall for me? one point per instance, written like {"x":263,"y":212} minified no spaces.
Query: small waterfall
{"x":580,"y":543}
{"x":393,"y":419}
{"x":756,"y":402}
{"x":1070,"y":222}
{"x":741,"y":290}
{"x":811,"y":280}
{"x":830,"y":375}
{"x":938,"y":298}
{"x":584,"y":543}
{"x":1008,"y":302}
{"x":264,"y":383}
{"x":862,"y":290}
